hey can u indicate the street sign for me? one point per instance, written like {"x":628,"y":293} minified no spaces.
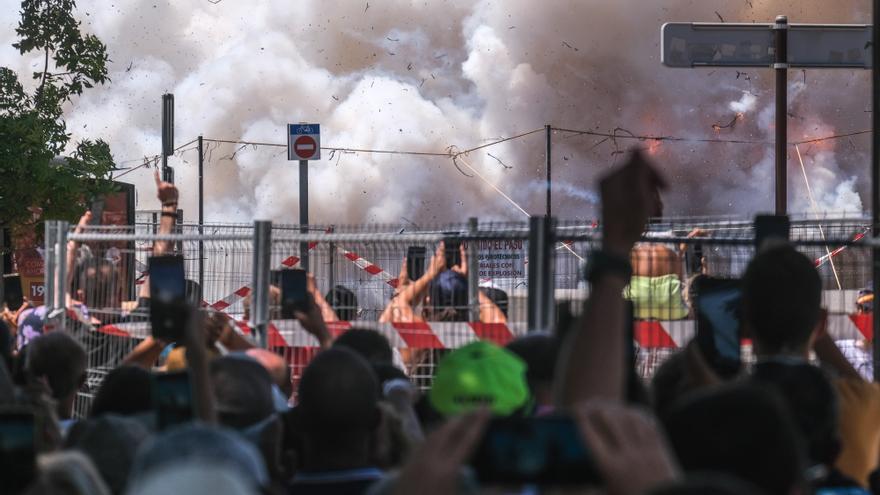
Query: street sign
{"x":303,"y":141}
{"x":696,"y":44}
{"x":778,"y":46}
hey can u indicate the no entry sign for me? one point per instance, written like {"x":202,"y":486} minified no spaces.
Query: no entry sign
{"x":303,"y":141}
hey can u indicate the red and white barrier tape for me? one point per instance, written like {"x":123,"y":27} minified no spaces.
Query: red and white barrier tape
{"x":823,"y":259}
{"x":369,"y":267}
{"x":243,"y":291}
{"x":442,"y":335}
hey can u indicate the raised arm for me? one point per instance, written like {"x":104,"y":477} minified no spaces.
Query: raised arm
{"x":167,"y":194}
{"x":592,"y":358}
{"x":72,"y":247}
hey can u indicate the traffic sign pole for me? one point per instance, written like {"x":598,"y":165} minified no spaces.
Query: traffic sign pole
{"x":780,"y":66}
{"x":304,"y":212}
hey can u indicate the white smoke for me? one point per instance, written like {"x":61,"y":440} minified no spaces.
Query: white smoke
{"x":424,"y":76}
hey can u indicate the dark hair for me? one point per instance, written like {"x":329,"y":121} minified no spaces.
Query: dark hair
{"x":61,"y":359}
{"x":670,"y":382}
{"x":111,"y":443}
{"x":539,"y":351}
{"x":338,"y":394}
{"x":243,"y":390}
{"x":741,"y":430}
{"x":98,"y":278}
{"x":812,"y":402}
{"x":344,"y":302}
{"x":782,"y":295}
{"x":126,"y":390}
{"x":497,"y":296}
{"x":6,"y":341}
{"x":448,"y":297}
{"x":370,"y":344}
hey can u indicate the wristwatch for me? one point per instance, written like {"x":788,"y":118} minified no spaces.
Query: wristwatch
{"x":601,"y":263}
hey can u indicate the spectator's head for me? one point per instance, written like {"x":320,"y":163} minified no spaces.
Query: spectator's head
{"x":276,"y":366}
{"x":198,"y":444}
{"x":97,"y":283}
{"x":480,"y":374}
{"x":782,"y":296}
{"x":62,"y":361}
{"x":243,"y":391}
{"x":741,"y":430}
{"x":344,"y":303}
{"x":67,"y":473}
{"x":338,"y":405}
{"x":126,"y":391}
{"x":865,"y":300}
{"x":539,"y":351}
{"x":194,"y":478}
{"x":370,"y":344}
{"x":671,"y":381}
{"x":110,"y":442}
{"x":812,"y":402}
{"x":448,"y":297}
{"x":497,"y":296}
{"x":30,"y":325}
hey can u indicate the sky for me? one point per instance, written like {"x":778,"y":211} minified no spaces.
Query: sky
{"x":449,"y":76}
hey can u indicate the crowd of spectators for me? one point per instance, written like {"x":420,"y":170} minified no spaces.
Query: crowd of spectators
{"x":800,"y":421}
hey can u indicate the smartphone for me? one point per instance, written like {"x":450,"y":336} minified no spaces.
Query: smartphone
{"x":18,"y":461}
{"x":172,"y":398}
{"x":415,"y":262}
{"x":453,"y":252}
{"x":546,"y":450}
{"x":717,"y":304}
{"x":169,"y":308}
{"x":294,"y":295}
{"x":769,"y":227}
{"x":97,"y":208}
{"x":12,"y":293}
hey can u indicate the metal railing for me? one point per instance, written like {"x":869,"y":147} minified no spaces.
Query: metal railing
{"x":533,"y":272}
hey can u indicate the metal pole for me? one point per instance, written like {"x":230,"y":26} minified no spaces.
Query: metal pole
{"x":875,"y":175}
{"x":49,"y":268}
{"x":331,"y":262}
{"x":260,"y":281}
{"x":304,"y":212}
{"x":541,"y":267}
{"x":61,"y":272}
{"x":473,"y":267}
{"x":781,"y":68}
{"x":167,"y":136}
{"x":549,"y":146}
{"x":201,"y":216}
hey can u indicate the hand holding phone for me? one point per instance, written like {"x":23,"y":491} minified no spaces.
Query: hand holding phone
{"x":452,"y":252}
{"x":294,"y":293}
{"x":415,"y":262}
{"x":717,"y":304}
{"x":172,"y":399}
{"x":547,"y":450}
{"x":169,"y":309}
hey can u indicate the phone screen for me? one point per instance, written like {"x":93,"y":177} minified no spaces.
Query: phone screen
{"x":453,"y":252}
{"x":415,"y":262}
{"x":12,"y":293}
{"x":17,"y":453}
{"x":718,"y":304}
{"x":546,"y":450}
{"x":293,"y":292}
{"x":172,"y":398}
{"x":169,"y":310}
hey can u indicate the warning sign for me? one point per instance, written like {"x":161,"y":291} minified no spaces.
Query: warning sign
{"x":501,"y":259}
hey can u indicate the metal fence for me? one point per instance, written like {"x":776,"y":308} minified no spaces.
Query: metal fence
{"x":532,"y":273}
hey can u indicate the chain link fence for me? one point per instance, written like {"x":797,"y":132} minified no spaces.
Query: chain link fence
{"x":499,"y":281}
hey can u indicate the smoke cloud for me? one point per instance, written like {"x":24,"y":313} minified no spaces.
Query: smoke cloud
{"x":424,"y":76}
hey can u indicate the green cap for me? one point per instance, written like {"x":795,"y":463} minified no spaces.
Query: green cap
{"x":480,"y":374}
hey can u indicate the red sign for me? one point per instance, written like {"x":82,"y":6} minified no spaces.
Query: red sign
{"x":305,"y":147}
